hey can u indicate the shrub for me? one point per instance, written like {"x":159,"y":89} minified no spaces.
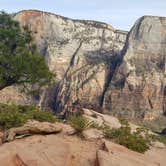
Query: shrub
{"x":123,"y":136}
{"x":22,"y":65}
{"x":10,"y":116}
{"x":79,"y":123}
{"x":123,"y":121}
{"x":42,"y":116}
{"x":15,"y":116}
{"x":95,"y":125}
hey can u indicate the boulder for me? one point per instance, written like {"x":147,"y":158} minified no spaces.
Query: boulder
{"x":101,"y":119}
{"x":91,"y":134}
{"x":158,"y":144}
{"x":30,"y":128}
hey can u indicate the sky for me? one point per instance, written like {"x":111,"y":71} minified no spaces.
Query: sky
{"x":121,"y":14}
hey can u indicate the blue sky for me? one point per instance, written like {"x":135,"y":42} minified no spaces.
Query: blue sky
{"x":119,"y":13}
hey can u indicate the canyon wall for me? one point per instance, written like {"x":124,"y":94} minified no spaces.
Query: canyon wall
{"x":138,"y":87}
{"x":81,"y":53}
{"x":97,"y":67}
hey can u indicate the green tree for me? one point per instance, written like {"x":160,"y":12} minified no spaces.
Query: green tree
{"x":19,"y":61}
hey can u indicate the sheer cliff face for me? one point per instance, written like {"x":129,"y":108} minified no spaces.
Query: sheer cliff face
{"x":138,"y":87}
{"x":82,"y":53}
{"x":92,"y":69}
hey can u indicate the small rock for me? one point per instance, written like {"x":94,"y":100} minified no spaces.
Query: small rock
{"x":91,"y":134}
{"x":158,"y":144}
{"x":33,"y":127}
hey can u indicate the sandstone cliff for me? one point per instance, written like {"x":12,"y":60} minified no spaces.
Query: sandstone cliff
{"x":138,"y":87}
{"x":97,"y":67}
{"x":82,"y":53}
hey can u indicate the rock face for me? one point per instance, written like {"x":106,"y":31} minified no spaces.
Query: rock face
{"x":13,"y":94}
{"x":97,"y":67}
{"x":138,"y":86}
{"x":82,"y":53}
{"x":62,"y":150}
{"x":113,"y":155}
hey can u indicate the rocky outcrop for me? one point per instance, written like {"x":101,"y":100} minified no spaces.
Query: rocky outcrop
{"x":13,"y":94}
{"x":63,"y":150}
{"x":30,"y":128}
{"x":113,"y":155}
{"x":82,"y":53}
{"x":138,"y":86}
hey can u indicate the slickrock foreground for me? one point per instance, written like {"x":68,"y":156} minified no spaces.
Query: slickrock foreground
{"x":65,"y":149}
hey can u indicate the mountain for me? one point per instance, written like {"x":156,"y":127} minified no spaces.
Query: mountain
{"x":138,"y":88}
{"x":82,"y":53}
{"x":100,"y":67}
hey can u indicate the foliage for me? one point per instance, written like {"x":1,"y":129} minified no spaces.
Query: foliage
{"x":42,"y":116}
{"x":79,"y":123}
{"x":15,"y":116}
{"x":123,"y":121}
{"x":95,"y":125}
{"x":123,"y":136}
{"x":10,"y":116}
{"x":19,"y":61}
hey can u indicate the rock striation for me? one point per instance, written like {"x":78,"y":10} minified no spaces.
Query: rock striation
{"x":138,"y":88}
{"x":82,"y":53}
{"x":100,"y":67}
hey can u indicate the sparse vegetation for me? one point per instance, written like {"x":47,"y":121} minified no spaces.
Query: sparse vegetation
{"x":96,"y":125}
{"x":138,"y":141}
{"x":10,"y":116}
{"x":15,"y":116}
{"x":79,"y":123}
{"x":123,"y":121}
{"x":123,"y":136}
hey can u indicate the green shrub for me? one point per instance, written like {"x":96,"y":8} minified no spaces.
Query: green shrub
{"x":116,"y":133}
{"x":123,"y":121}
{"x":123,"y":136}
{"x":42,"y":116}
{"x":134,"y":142}
{"x":15,"y":116}
{"x":96,"y":125}
{"x":79,"y":123}
{"x":10,"y":116}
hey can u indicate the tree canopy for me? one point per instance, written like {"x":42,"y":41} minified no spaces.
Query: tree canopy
{"x":19,"y":61}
